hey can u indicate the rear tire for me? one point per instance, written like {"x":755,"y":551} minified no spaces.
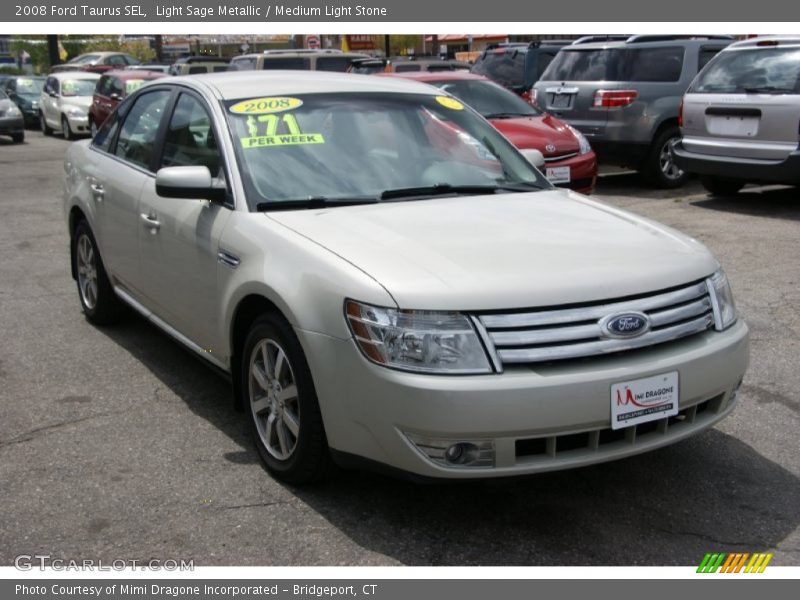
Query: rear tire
{"x":659,"y":168}
{"x":98,"y":300}
{"x":93,"y":127}
{"x":65,"y":129}
{"x":46,"y":129}
{"x":279,"y":397}
{"x":719,"y":186}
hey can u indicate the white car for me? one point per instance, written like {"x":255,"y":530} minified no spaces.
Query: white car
{"x":65,"y":101}
{"x":391,"y":284}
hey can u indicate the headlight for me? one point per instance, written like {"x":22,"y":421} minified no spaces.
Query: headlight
{"x":14,"y":112}
{"x":417,"y":340}
{"x":76,"y":111}
{"x":582,"y":141}
{"x":721,"y":300}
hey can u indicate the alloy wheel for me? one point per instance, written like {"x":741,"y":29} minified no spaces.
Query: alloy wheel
{"x":87,"y":271}
{"x":274,"y":399}
{"x":666,"y":163}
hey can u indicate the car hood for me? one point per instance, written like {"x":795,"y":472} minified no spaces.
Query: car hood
{"x":504,"y":251}
{"x":546,"y":134}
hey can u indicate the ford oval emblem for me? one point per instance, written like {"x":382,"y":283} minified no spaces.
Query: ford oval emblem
{"x":625,"y":325}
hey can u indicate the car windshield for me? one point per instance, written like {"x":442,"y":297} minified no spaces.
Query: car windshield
{"x":78,"y":87}
{"x":84,"y":59}
{"x":489,"y":99}
{"x":584,"y":65}
{"x":131,"y":85}
{"x":29,"y":86}
{"x":505,"y":66}
{"x":758,"y":70}
{"x":370,"y":147}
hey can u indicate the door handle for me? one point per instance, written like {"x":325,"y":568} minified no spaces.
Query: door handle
{"x":151,"y":222}
{"x":97,"y":191}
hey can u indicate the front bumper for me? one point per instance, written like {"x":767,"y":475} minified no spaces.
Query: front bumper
{"x":79,"y":124}
{"x":534,"y":415}
{"x":11,"y":125}
{"x":583,"y":172}
{"x":743,"y":169}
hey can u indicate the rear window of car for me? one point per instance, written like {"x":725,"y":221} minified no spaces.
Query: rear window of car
{"x":287,"y":63}
{"x":601,"y":64}
{"x":337,"y":64}
{"x":757,"y":70}
{"x":243,"y":64}
{"x":506,"y":67}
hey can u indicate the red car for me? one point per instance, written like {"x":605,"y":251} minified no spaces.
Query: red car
{"x":111,"y":88}
{"x":569,"y":160}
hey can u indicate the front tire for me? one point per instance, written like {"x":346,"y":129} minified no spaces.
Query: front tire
{"x":660,"y":168}
{"x":98,"y":300}
{"x":281,"y":402}
{"x":18,"y":138}
{"x":66,"y":130}
{"x":719,"y":186}
{"x":93,"y":127}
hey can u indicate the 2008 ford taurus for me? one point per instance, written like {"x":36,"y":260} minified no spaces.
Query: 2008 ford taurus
{"x":390,"y":283}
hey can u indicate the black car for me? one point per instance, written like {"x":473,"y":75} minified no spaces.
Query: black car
{"x":517,"y":66}
{"x":25,"y":92}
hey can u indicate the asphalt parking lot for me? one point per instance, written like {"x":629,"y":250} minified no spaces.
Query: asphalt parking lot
{"x":118,"y":444}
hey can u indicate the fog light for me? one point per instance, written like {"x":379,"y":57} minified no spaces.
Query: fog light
{"x":454,"y":453}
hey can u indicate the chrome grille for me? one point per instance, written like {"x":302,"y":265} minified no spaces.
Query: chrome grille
{"x":546,"y":335}
{"x":548,"y":159}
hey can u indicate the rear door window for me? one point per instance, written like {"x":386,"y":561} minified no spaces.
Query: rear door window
{"x":407,"y":68}
{"x":336,"y":64}
{"x":287,"y":63}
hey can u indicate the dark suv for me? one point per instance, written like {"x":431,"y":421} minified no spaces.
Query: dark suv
{"x":624,"y":96}
{"x":517,"y":66}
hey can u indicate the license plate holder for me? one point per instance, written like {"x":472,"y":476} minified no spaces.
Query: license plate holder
{"x":646,"y":399}
{"x":558,"y":174}
{"x":561,"y":101}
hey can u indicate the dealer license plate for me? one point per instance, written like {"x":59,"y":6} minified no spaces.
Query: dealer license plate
{"x":642,"y":400}
{"x":558,"y":174}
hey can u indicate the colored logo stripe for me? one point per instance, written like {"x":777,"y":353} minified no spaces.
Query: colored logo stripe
{"x":734,"y":563}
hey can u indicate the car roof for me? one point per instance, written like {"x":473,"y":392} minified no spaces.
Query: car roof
{"x":428,"y":76}
{"x":75,"y":75}
{"x":125,"y":75}
{"x":648,"y":41}
{"x":250,"y":84}
{"x":765,"y":41}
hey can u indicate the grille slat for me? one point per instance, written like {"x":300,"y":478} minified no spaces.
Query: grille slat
{"x":530,"y":337}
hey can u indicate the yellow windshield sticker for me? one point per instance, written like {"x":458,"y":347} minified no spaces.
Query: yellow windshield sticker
{"x":270,"y":141}
{"x":450,"y":103}
{"x":263,"y":106}
{"x":132,"y":85}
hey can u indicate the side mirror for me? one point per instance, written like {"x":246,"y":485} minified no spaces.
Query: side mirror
{"x":52,"y":94}
{"x":188,"y":182}
{"x":535,"y":157}
{"x":115,"y":96}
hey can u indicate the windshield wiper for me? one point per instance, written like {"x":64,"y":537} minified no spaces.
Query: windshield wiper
{"x":507,"y":115}
{"x":313,"y":202}
{"x":443,"y":189}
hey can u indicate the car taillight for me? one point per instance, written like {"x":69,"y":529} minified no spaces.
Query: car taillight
{"x":613,"y":98}
{"x":680,"y":114}
{"x":526,"y":95}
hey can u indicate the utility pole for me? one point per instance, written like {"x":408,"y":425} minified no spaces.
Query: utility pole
{"x":159,"y":48}
{"x":52,"y":50}
{"x":387,"y":47}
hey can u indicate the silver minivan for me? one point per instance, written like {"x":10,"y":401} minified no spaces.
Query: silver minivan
{"x":741,"y":117}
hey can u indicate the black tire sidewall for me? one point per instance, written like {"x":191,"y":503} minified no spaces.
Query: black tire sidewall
{"x":309,"y":460}
{"x":65,"y":130}
{"x":108,"y":307}
{"x":652,"y":171}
